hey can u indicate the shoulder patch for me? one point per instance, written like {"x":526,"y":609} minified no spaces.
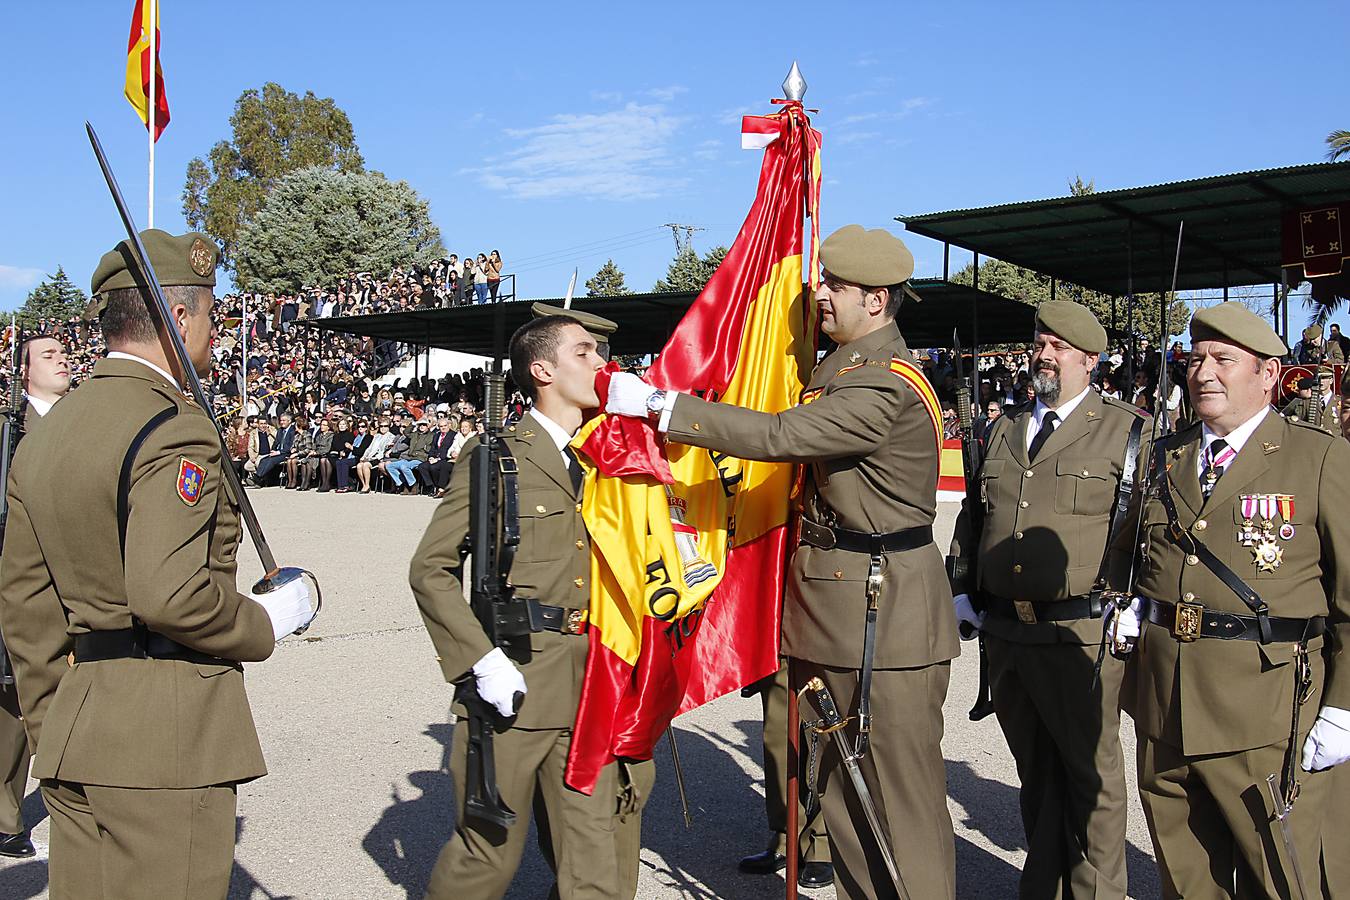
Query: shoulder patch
{"x":191,"y":481}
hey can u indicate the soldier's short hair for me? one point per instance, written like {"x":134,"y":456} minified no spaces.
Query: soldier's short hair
{"x":126,"y":317}
{"x":895,"y":295}
{"x":535,"y":340}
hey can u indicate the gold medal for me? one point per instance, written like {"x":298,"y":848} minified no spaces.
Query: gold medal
{"x":1267,"y":554}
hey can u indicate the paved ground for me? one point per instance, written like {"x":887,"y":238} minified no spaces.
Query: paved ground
{"x":353,"y":720}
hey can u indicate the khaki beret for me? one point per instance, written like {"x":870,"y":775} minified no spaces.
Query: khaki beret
{"x":873,"y":258}
{"x":1312,"y":332}
{"x":1326,"y":372}
{"x":597,"y":327}
{"x":1235,"y":323}
{"x":1074,"y":322}
{"x":179,"y":260}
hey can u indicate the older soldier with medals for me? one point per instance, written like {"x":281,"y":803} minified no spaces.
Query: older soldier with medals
{"x":1240,"y":703}
{"x":1054,"y":484}
{"x":118,"y":599}
{"x":868,"y":620}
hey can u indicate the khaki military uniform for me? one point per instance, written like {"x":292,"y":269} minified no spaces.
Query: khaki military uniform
{"x":1213,"y":716}
{"x":1045,"y":533}
{"x":14,"y":755}
{"x":869,"y":439}
{"x":138,"y":758}
{"x":1313,"y":411}
{"x":552,"y":565}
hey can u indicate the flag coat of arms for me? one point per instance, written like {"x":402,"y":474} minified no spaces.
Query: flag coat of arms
{"x":689,"y":546}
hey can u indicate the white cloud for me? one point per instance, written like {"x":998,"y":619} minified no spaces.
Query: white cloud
{"x":854,"y":137}
{"x":906,"y":107}
{"x":19,"y":278}
{"x":623,"y":154}
{"x":667,"y":93}
{"x":733,"y":116}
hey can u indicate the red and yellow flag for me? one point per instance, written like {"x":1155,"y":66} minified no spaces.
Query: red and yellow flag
{"x":689,"y":546}
{"x":144,"y":23}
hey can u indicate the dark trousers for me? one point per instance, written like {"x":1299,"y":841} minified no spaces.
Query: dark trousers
{"x":344,"y":471}
{"x":267,"y":467}
{"x":435,"y":474}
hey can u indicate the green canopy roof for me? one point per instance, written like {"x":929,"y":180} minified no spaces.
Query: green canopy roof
{"x":1232,"y":229}
{"x":647,"y":320}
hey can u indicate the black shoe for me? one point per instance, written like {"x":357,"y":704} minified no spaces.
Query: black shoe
{"x":815,"y":875}
{"x":764,"y":863}
{"x":17,"y":846}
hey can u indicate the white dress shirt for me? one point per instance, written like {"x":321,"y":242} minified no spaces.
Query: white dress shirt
{"x":118,"y":354}
{"x":1235,"y":438}
{"x":559,"y":434}
{"x":1063,"y":411}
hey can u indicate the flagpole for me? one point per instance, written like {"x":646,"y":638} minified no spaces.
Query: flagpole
{"x":150,"y":106}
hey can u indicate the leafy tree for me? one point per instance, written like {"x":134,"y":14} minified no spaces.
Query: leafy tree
{"x":608,"y":282}
{"x":1338,"y":145}
{"x":690,"y":272}
{"x":318,"y":225}
{"x":1079,"y":188}
{"x":275,"y":132}
{"x":57,"y":298}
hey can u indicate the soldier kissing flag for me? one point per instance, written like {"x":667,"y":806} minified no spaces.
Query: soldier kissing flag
{"x":688,"y":547}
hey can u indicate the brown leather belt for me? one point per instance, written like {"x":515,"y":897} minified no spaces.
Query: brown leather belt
{"x":1188,"y":621}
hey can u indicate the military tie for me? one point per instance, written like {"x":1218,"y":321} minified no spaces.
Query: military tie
{"x":1047,"y":428}
{"x":1217,"y":457}
{"x":573,"y":469}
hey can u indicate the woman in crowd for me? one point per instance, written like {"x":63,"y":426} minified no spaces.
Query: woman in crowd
{"x":373,"y":454}
{"x":384,"y":402}
{"x":302,"y":450}
{"x":350,"y":453}
{"x":237,"y":438}
{"x":319,"y":466}
{"x":494,"y":274}
{"x":480,"y":279}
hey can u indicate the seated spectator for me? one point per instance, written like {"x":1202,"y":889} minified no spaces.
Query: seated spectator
{"x":302,"y":450}
{"x":436,"y":470}
{"x":270,"y":464}
{"x":260,"y":443}
{"x":358,"y":439}
{"x":237,"y":440}
{"x":319,"y":465}
{"x":373,"y":453}
{"x":466,"y":431}
{"x":403,"y":469}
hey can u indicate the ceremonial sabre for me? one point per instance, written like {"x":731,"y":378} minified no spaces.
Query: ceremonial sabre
{"x":1283,"y":807}
{"x":831,"y":722}
{"x":276,"y":576}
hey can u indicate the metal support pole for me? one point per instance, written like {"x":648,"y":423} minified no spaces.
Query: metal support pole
{"x":1054,"y":283}
{"x":1132,"y":346}
{"x":975,"y":324}
{"x":946,"y":261}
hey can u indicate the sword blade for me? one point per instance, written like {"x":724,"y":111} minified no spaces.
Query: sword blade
{"x":1282,"y":813}
{"x":870,"y":811}
{"x":180,"y":351}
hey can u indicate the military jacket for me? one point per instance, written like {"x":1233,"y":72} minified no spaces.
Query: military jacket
{"x":141,"y":723}
{"x":1312,"y":411}
{"x":1219,"y":696}
{"x":1046,"y":522}
{"x":868,"y":430}
{"x":552,"y":565}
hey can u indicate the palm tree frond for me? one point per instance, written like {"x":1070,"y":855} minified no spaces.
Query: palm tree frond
{"x":1338,"y":144}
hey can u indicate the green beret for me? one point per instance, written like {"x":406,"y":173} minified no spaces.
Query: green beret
{"x":179,"y":260}
{"x":1073,"y":322}
{"x":873,"y":258}
{"x":598,"y":327}
{"x":1236,"y":324}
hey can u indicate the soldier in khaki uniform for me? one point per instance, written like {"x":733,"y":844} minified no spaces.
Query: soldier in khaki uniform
{"x":1317,"y":402}
{"x":869,"y":429}
{"x":118,"y":600}
{"x":1215,"y":677}
{"x":45,"y":375}
{"x":1049,"y":482}
{"x":554,"y":361}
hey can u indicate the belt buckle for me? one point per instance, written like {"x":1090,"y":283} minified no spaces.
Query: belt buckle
{"x":575,"y":621}
{"x":1026,"y":612}
{"x":1186,"y":624}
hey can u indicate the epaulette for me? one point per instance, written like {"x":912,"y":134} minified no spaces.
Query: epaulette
{"x":1128,"y":407}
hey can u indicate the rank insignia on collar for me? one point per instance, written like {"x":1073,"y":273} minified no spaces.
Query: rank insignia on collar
{"x":1268,"y":447}
{"x":527,"y":434}
{"x":1089,"y":413}
{"x":855,"y":357}
{"x":191,"y":480}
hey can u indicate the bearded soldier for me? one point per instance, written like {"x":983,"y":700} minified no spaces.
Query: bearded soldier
{"x":1050,"y":480}
{"x":868,"y":608}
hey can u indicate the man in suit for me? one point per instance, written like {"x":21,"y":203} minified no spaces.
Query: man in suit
{"x":281,"y":451}
{"x":435,"y":471}
{"x":46,"y":379}
{"x":1049,"y":482}
{"x":554,"y":360}
{"x":118,"y":600}
{"x":869,"y":430}
{"x":1243,"y":600}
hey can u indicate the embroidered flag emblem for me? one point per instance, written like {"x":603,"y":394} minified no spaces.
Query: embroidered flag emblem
{"x":191,"y":478}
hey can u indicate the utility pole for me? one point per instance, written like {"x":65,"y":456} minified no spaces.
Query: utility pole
{"x":683,"y":235}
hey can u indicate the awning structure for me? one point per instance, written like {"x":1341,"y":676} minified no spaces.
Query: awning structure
{"x":647,"y":320}
{"x":1123,"y":241}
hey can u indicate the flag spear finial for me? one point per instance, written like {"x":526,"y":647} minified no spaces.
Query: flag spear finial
{"x":794,"y":85}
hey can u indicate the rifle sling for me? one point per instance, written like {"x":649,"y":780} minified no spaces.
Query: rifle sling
{"x":1128,"y":469}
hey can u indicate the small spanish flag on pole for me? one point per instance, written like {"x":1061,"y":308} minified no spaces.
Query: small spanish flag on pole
{"x":146,"y":80}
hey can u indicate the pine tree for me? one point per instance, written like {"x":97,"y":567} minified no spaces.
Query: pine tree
{"x":689,"y":272}
{"x":608,"y":282}
{"x":56,"y":299}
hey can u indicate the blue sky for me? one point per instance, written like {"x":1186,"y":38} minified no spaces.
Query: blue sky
{"x":563,"y":134}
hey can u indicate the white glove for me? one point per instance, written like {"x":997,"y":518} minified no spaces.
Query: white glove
{"x":968,"y":621}
{"x":1129,"y":621}
{"x":1328,"y":743}
{"x":499,"y":681}
{"x":290,"y":607}
{"x":628,"y":395}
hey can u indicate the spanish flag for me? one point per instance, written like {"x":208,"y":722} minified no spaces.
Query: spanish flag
{"x":688,"y":547}
{"x":145,"y":22}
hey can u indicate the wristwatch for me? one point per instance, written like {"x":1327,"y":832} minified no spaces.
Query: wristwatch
{"x":656,"y":404}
